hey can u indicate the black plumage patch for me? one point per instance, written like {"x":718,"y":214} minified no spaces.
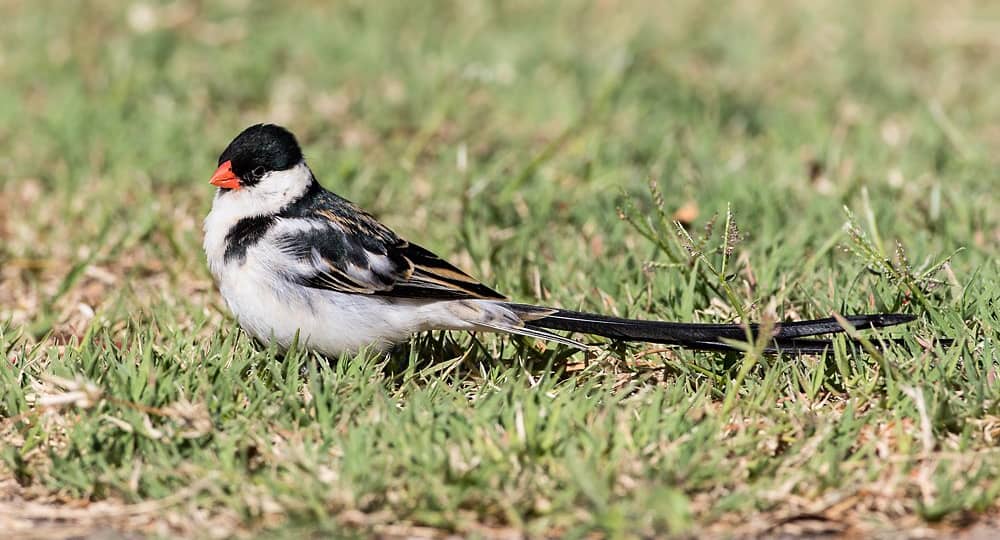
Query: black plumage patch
{"x":260,"y":149}
{"x":245,"y":234}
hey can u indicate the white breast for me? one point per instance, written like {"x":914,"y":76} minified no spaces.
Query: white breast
{"x":272,"y":193}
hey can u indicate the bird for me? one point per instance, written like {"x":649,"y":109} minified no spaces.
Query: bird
{"x":296,"y":263}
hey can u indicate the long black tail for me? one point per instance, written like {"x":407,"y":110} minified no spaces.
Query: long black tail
{"x":786,"y":337}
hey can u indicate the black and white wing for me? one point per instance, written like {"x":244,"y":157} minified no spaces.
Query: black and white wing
{"x":341,"y":248}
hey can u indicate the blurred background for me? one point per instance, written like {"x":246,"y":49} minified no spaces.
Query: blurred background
{"x":487,"y":116}
{"x":481,"y":128}
{"x":510,"y":137}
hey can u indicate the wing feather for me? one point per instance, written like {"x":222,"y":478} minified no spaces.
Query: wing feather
{"x":349,"y":251}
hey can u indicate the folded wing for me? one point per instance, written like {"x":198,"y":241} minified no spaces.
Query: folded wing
{"x":351,"y":252}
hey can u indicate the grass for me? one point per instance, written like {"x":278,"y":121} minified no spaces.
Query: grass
{"x":825,"y":157}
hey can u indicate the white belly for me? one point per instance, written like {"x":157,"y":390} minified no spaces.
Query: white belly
{"x":332,"y":323}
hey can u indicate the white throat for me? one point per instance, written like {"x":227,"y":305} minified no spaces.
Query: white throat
{"x":274,"y":191}
{"x":271,"y":193}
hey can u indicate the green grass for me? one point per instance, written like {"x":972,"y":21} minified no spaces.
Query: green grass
{"x":855,"y":147}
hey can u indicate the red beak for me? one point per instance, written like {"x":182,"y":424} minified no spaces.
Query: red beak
{"x":224,"y":177}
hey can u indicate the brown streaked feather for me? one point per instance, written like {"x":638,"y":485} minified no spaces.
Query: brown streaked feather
{"x":429,"y":268}
{"x":440,"y":284}
{"x":447,"y":274}
{"x":334,"y":218}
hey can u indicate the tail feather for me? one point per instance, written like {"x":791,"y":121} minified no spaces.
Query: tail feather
{"x":530,"y":331}
{"x":792,"y":346}
{"x":786,"y":337}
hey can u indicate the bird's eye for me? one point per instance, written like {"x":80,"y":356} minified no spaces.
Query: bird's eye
{"x":258,"y":172}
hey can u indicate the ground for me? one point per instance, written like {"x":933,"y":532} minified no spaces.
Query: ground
{"x":701,"y":161}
